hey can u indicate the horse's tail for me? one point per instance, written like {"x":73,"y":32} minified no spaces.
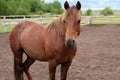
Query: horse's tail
{"x":16,"y":71}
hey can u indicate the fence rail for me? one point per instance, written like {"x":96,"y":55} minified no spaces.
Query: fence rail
{"x":85,"y":20}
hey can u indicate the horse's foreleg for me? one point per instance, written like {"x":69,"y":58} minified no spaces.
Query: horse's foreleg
{"x":64,"y":69}
{"x":28,"y":62}
{"x":52,"y":69}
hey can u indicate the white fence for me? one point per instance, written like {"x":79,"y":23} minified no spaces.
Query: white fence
{"x":14,"y":19}
{"x":85,"y":20}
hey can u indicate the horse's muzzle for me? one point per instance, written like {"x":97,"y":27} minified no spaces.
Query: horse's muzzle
{"x":70,"y":43}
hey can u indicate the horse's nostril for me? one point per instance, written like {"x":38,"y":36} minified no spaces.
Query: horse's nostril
{"x":70,"y":43}
{"x":73,"y":41}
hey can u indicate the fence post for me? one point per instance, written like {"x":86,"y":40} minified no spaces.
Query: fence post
{"x":24,"y":17}
{"x":3,"y":17}
{"x":4,"y":25}
{"x":54,"y":16}
{"x":109,"y":19}
{"x":41,"y":19}
{"x":89,"y":20}
{"x":5,"y":28}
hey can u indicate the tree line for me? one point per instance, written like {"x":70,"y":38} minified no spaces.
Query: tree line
{"x":26,"y":7}
{"x":106,"y":11}
{"x":29,"y":7}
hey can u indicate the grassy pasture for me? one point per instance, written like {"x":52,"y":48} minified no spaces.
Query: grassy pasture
{"x":8,"y":28}
{"x":106,"y":20}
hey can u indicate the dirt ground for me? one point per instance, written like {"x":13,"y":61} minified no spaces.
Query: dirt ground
{"x":97,"y":58}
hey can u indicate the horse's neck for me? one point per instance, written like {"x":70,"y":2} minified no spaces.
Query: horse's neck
{"x":56,"y":27}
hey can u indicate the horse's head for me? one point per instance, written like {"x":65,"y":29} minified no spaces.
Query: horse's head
{"x":71,"y":20}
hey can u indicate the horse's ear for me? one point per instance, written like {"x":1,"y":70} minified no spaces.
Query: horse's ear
{"x":78,"y":5}
{"x":66,"y":5}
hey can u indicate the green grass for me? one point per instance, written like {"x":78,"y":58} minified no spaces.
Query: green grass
{"x":104,"y":22}
{"x":8,"y":28}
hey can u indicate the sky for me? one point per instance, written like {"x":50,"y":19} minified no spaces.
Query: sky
{"x":93,"y":4}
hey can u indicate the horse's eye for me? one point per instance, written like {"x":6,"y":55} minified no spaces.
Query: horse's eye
{"x":64,"y":21}
{"x":78,"y":21}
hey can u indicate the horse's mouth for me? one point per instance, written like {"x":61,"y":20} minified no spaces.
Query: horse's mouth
{"x":70,"y":43}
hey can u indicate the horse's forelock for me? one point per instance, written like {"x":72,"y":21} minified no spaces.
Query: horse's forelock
{"x":71,"y":11}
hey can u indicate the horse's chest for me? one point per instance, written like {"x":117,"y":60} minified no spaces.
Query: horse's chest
{"x":62,"y":54}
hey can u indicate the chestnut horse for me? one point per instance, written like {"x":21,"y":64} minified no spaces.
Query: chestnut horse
{"x":54,"y":43}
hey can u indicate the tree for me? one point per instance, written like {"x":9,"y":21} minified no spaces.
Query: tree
{"x":89,"y":12}
{"x":3,"y":7}
{"x":106,"y":11}
{"x":34,"y":6}
{"x":25,"y":7}
{"x":55,"y":7}
{"x":22,"y":11}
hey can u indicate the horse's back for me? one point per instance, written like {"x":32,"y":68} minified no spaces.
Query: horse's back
{"x":20,"y":27}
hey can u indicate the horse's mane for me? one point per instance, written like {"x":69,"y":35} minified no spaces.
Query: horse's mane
{"x":56,"y":26}
{"x":52,"y":25}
